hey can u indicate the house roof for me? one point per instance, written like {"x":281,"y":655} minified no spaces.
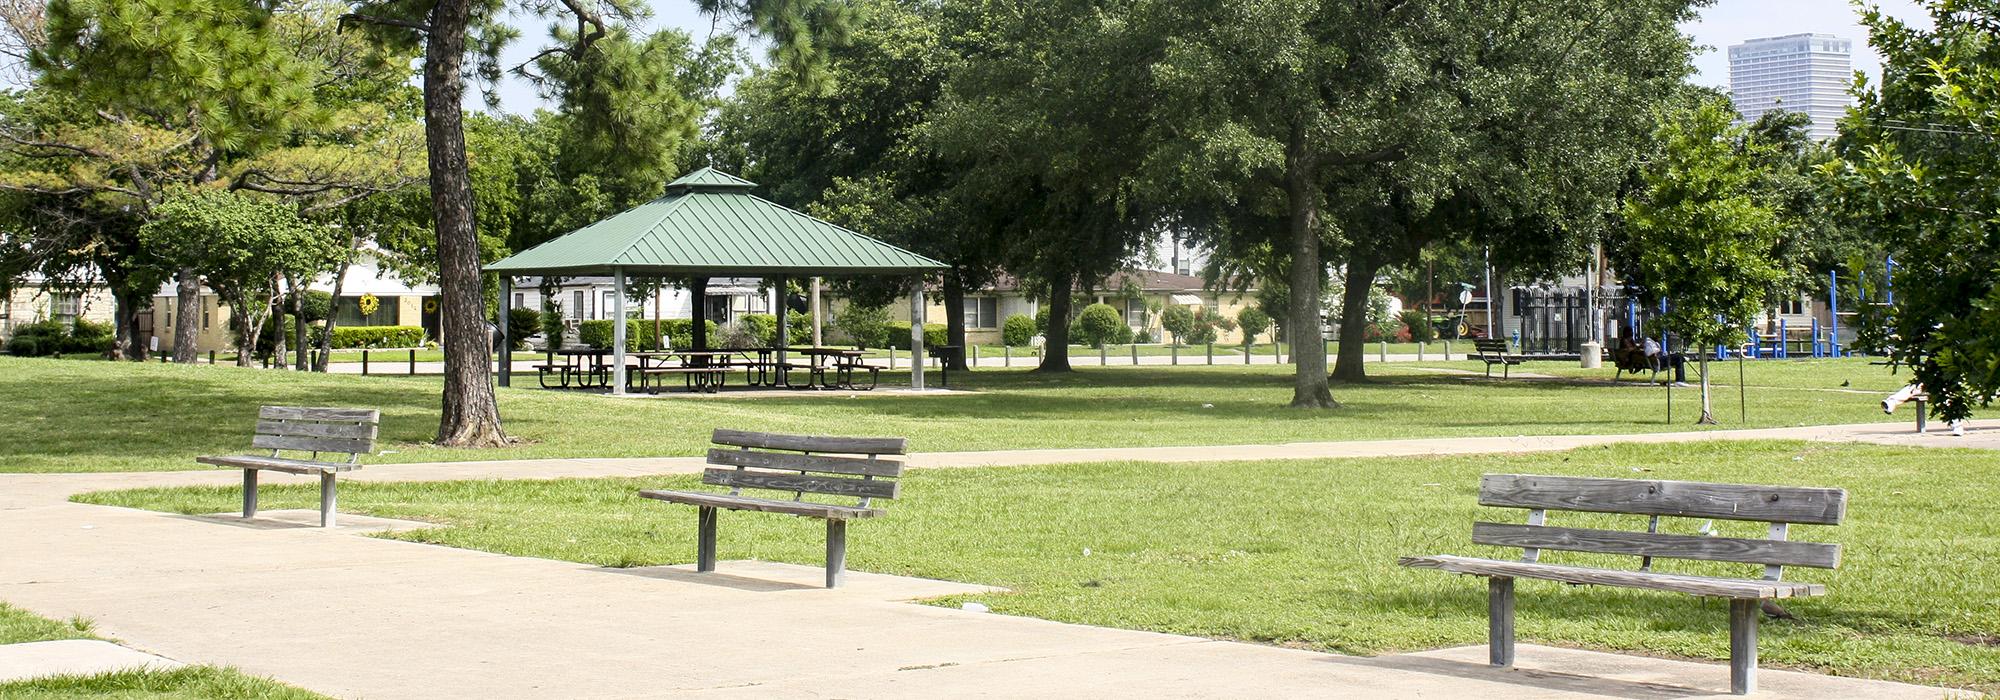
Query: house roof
{"x":708,"y":223}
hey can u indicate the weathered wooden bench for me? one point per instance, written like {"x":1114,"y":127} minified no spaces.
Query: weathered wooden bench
{"x":793,"y":463}
{"x":1493,"y":351}
{"x":1780,"y":506}
{"x":330,"y":431}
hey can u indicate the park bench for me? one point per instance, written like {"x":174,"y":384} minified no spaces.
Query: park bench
{"x":1493,"y":351}
{"x":329,"y":431}
{"x":794,"y":463}
{"x":1780,"y":506}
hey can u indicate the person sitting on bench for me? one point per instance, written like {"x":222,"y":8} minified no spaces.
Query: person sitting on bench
{"x":1660,"y":359}
{"x":1911,"y":392}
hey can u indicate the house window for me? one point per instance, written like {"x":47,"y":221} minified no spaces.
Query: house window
{"x":576,"y":309}
{"x":1135,"y":313}
{"x":519,"y":300}
{"x":66,"y":307}
{"x":207,"y":305}
{"x":981,"y":312}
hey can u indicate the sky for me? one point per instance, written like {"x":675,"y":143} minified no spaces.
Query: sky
{"x":1724,"y":23}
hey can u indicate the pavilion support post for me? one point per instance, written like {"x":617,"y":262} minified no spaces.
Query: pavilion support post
{"x":506,"y":337}
{"x":698,"y":291}
{"x":783,"y":335}
{"x":618,"y":331}
{"x":813,"y":307}
{"x":917,"y":334}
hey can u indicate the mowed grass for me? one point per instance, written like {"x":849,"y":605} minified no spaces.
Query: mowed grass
{"x":1303,"y":553}
{"x":188,"y":683}
{"x":106,"y":416}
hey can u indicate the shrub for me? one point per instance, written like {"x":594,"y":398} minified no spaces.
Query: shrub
{"x":522,"y":323}
{"x":801,"y":326}
{"x":1124,"y":335}
{"x":1018,"y":330}
{"x":315,"y":305}
{"x":552,"y":324}
{"x":1178,"y":320}
{"x":639,"y":334}
{"x":935,"y":334}
{"x":1099,"y":324}
{"x":1142,"y":337}
{"x":38,"y":339}
{"x":1042,"y":321}
{"x":680,"y":332}
{"x":867,"y":326}
{"x":1254,"y":321}
{"x":761,"y":328}
{"x":1417,"y":325}
{"x":90,"y":337}
{"x":378,"y":336}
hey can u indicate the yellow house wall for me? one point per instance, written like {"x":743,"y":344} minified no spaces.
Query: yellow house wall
{"x":410,"y":311}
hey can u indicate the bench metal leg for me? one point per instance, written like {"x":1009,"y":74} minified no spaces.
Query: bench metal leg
{"x":249,"y":493}
{"x":704,"y":550}
{"x":1743,"y":645}
{"x":836,"y":551}
{"x":1500,"y":620}
{"x":326,"y":499}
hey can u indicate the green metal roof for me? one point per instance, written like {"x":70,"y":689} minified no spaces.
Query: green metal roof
{"x":709,"y":224}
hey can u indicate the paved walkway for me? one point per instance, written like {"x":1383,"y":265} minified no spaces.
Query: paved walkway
{"x":365,"y":617}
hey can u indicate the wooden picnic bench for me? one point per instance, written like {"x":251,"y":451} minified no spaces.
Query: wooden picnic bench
{"x":1493,"y":351}
{"x":331,"y":431}
{"x":1780,"y":506}
{"x":794,"y":463}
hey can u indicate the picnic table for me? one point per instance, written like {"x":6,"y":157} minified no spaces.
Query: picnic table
{"x":701,"y":370}
{"x":843,"y":362}
{"x":572,"y":367}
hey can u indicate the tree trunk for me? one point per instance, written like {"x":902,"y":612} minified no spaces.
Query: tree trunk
{"x":333,"y":307}
{"x":246,"y":344}
{"x":125,"y":305}
{"x":187,"y":319}
{"x":277,"y":314}
{"x":1707,"y":416}
{"x":1354,"y":318}
{"x":954,"y":321}
{"x":1055,"y":342}
{"x":298,"y":322}
{"x":1309,"y":379}
{"x":471,"y":414}
{"x":698,"y":329}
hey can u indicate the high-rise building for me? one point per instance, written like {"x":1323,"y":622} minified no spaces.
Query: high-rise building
{"x":1807,"y":73}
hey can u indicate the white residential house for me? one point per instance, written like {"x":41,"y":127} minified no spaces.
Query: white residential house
{"x":399,"y":303}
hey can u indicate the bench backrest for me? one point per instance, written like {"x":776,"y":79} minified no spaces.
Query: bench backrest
{"x":1780,"y":506}
{"x":1490,"y":346}
{"x":349,"y":431}
{"x":802,"y":464}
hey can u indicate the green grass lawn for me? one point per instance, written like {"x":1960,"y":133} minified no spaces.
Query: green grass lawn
{"x":105,"y":416}
{"x":1303,"y":552}
{"x":189,"y":683}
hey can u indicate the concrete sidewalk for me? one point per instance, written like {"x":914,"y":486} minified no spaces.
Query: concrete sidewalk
{"x":363,"y":617}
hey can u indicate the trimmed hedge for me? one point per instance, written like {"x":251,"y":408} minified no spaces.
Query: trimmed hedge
{"x":639,"y":334}
{"x":935,"y":334}
{"x":763,"y":328}
{"x":54,"y":337}
{"x":1018,"y":330}
{"x":378,"y":337}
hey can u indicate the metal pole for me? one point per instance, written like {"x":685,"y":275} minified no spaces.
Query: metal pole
{"x":506,"y":337}
{"x":917,"y":334}
{"x":816,"y":315}
{"x":1742,"y":393}
{"x":364,"y":362}
{"x":1833,"y":313}
{"x":618,"y":331}
{"x":783,"y":336}
{"x":1490,"y":312}
{"x":413,"y":362}
{"x":1135,"y":353}
{"x":1211,"y":354}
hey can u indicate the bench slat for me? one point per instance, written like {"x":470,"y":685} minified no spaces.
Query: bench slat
{"x":810,"y":463}
{"x":367,"y":415}
{"x":811,"y":443}
{"x":360,"y":431}
{"x":1646,"y":544}
{"x":1692,"y":585}
{"x":280,"y":464}
{"x":1784,"y":504}
{"x":312,"y":444}
{"x":765,"y":505}
{"x":798,"y":482}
